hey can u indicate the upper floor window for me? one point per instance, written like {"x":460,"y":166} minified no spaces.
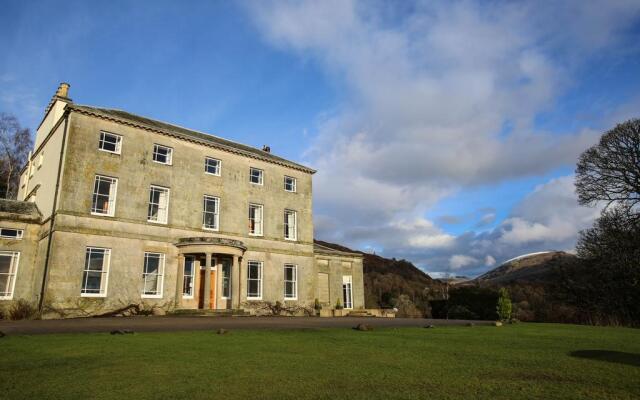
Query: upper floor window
{"x":104,"y":196}
{"x":256,"y":176}
{"x":255,"y":219}
{"x":162,"y":154}
{"x":211,"y":213}
{"x":110,"y":142}
{"x":212,"y":166}
{"x":289,"y":184}
{"x":8,"y":271}
{"x":290,"y":225}
{"x":158,"y":204}
{"x":96,"y":272}
{"x":10,"y":233}
{"x":153,"y":274}
{"x":290,"y":282}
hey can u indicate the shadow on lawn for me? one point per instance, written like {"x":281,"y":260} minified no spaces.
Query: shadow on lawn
{"x":618,"y":357}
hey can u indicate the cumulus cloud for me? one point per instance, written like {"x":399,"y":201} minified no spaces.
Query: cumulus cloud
{"x":458,"y":261}
{"x":439,"y":99}
{"x":489,"y":261}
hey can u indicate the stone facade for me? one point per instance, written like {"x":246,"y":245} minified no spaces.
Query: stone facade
{"x":91,"y":250}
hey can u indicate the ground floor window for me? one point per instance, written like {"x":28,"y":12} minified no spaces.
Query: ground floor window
{"x":153,"y":274}
{"x":254,"y":280}
{"x":290,"y":282}
{"x":8,"y":271}
{"x":96,"y":272}
{"x":226,"y":278}
{"x":189,"y":278}
{"x":346,"y":291}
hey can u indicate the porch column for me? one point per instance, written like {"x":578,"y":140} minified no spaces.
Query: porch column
{"x":207,"y":281}
{"x":235,"y":283}
{"x":179,"y":280}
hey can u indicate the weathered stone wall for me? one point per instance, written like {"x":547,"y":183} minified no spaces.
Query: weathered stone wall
{"x":129,"y":235}
{"x":28,"y":249}
{"x":337,"y":266}
{"x":186,"y":180}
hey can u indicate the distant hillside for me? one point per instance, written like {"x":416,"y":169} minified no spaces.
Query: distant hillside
{"x":386,"y":279}
{"x":528,"y":268}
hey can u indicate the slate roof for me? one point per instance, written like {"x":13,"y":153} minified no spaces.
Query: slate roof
{"x":15,"y":209}
{"x":188,"y":134}
{"x":318,"y":248}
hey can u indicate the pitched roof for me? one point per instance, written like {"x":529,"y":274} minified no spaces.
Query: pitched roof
{"x":320,"y":249}
{"x":187,"y":134}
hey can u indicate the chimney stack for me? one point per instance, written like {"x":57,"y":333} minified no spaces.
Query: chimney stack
{"x":266,"y":149}
{"x":63,"y":90}
{"x":62,"y":94}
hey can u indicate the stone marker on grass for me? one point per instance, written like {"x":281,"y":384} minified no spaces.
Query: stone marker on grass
{"x":122,"y":332}
{"x":363,"y":327}
{"x":222,"y":331}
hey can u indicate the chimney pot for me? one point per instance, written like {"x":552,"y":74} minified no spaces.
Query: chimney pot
{"x":266,"y":148}
{"x":63,"y":90}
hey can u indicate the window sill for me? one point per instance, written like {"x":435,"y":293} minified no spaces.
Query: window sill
{"x":257,"y":184}
{"x":291,"y":240}
{"x":211,"y":229}
{"x":188,"y":297}
{"x":151,"y":296}
{"x":6,"y":297}
{"x":209,"y":173}
{"x":110,"y":152}
{"x":290,"y":299}
{"x":256,"y":235}
{"x":162,"y":163}
{"x":157,"y":222}
{"x":102,"y":215}
{"x":254,"y":298}
{"x":93,"y":295}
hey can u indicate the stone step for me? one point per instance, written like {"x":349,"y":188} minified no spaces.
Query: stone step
{"x":209,"y":313}
{"x":360,"y":314}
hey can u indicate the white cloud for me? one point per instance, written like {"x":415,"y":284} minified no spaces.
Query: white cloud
{"x":432,"y":241}
{"x":458,"y":261}
{"x":442,"y":99}
{"x":489,"y":261}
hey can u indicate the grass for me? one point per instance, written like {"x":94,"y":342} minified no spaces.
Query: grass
{"x":542,"y":361}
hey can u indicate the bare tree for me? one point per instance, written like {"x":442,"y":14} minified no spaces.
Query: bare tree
{"x":610,"y":170}
{"x":15,"y":143}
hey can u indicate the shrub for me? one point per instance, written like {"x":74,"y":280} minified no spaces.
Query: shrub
{"x":461,"y":312}
{"x":339,"y":304}
{"x":316,"y":305}
{"x":504,"y":305}
{"x":23,"y":309}
{"x":406,"y":308}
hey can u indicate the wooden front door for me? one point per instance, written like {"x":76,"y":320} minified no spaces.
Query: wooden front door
{"x":212,"y":290}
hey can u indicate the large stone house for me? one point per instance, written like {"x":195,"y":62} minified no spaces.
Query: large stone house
{"x":116,"y":209}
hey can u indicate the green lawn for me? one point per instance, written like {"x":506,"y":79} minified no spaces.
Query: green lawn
{"x":517,"y":361}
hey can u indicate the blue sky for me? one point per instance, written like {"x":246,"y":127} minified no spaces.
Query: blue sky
{"x":444,"y":132}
